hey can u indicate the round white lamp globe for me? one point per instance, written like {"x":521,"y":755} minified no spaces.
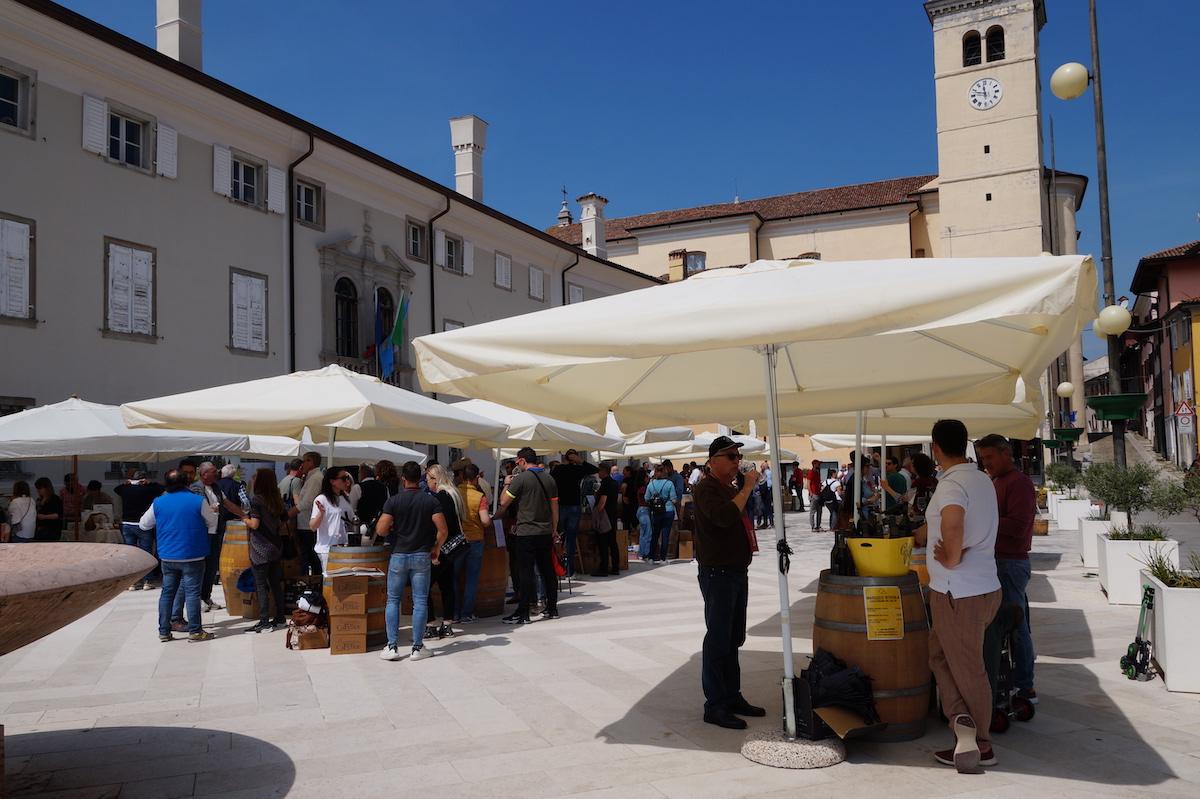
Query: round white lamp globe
{"x":1098,"y":330}
{"x":1115,"y":320}
{"x":1065,"y":389}
{"x":1069,"y":81}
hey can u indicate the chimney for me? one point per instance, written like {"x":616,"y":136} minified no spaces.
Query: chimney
{"x":676,"y":263}
{"x":180,"y":34}
{"x":591,"y":217}
{"x":468,"y":137}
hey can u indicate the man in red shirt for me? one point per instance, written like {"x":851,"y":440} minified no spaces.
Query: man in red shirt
{"x":813,"y":478}
{"x":1016,"y":501}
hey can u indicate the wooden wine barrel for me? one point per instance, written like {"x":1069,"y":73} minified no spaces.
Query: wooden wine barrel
{"x":493,"y":577}
{"x":589,"y":551}
{"x":623,"y":548}
{"x":916,"y":562}
{"x":235,"y":559}
{"x":365,"y":558}
{"x":899,"y":669}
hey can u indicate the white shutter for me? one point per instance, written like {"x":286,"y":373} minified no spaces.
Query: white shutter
{"x":166,"y":151}
{"x":95,"y":124}
{"x":258,"y":315}
{"x":276,"y":190}
{"x":503,"y":271}
{"x":120,"y":288}
{"x":142,"y":307}
{"x":536,"y":283}
{"x":222,"y":181}
{"x":468,"y":258}
{"x":14,"y":269}
{"x":574,"y":293}
{"x":439,"y":248}
{"x":240,"y":308}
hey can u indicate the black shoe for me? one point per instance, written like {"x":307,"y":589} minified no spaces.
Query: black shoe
{"x":516,"y":619}
{"x":615,"y":573}
{"x":723,"y":718}
{"x":743,"y":708}
{"x":511,"y":601}
{"x":549,"y":614}
{"x":598,"y":574}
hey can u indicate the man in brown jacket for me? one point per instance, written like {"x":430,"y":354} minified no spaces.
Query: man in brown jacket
{"x":723,"y":552}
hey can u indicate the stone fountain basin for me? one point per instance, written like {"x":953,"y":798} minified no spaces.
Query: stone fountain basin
{"x":46,"y":586}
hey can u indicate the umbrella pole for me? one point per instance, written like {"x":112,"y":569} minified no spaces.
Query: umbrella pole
{"x":332,"y":444}
{"x":785,"y":620}
{"x":882,"y":463}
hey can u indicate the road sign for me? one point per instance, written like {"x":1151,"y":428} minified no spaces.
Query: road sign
{"x":1183,"y":409}
{"x":1184,"y":423}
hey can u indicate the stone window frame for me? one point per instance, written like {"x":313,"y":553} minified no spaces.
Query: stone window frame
{"x":26,"y":99}
{"x":319,"y":188}
{"x":152,"y":337}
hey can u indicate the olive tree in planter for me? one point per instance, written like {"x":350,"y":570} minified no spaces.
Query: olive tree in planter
{"x":1176,"y":647}
{"x":1070,"y":509}
{"x":1123,"y":549}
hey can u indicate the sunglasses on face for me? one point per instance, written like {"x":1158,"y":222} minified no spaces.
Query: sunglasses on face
{"x":733,"y":456}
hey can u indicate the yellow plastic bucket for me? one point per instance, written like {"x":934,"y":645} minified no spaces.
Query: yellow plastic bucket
{"x":881,"y":557}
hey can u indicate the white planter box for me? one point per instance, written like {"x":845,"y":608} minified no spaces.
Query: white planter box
{"x":1052,"y":499}
{"x":1088,"y":547}
{"x":1070,"y":511}
{"x":1121,"y":564}
{"x":1176,"y":647}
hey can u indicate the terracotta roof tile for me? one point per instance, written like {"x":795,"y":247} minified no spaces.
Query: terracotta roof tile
{"x":783,"y":206}
{"x":1190,"y":250}
{"x":1145,"y":277}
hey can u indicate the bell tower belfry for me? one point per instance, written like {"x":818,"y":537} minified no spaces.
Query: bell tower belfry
{"x":990,"y":181}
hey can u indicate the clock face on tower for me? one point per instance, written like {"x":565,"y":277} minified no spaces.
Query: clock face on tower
{"x":984,"y":93}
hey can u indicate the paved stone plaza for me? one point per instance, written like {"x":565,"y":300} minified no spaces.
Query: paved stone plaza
{"x":603,"y":702}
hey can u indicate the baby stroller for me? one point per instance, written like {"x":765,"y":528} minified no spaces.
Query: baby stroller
{"x":998,"y":658}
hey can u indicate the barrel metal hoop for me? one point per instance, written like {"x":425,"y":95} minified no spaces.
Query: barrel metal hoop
{"x":899,"y":693}
{"x":838,"y":579}
{"x":856,"y":590}
{"x":917,"y":626}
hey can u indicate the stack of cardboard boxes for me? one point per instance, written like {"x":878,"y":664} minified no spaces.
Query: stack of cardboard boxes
{"x":348,"y":614}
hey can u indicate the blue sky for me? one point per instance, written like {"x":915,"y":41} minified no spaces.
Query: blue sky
{"x":671,"y":104}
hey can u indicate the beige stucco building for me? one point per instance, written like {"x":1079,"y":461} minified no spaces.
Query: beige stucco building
{"x":164,"y":231}
{"x":992,"y":194}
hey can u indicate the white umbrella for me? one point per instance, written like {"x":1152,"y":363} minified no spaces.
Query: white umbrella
{"x":523,"y":429}
{"x":333,"y":402}
{"x":348,"y":452}
{"x":655,"y":435}
{"x":823,"y":442}
{"x":819,"y":337}
{"x":76,"y":428}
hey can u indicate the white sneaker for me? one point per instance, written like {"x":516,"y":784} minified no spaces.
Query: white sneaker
{"x":421,"y":654}
{"x":390,"y":652}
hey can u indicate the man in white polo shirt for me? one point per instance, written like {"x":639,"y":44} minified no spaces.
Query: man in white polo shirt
{"x":964,"y":594}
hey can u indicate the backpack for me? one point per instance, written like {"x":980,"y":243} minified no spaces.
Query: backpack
{"x":657,"y":503}
{"x":827,"y":494}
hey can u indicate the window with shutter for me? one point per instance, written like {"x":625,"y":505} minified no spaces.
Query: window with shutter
{"x":16,"y":97}
{"x":247,"y":311}
{"x":95,"y":125}
{"x":222,"y":166}
{"x":16,"y":269}
{"x":416,"y":239}
{"x":468,"y":258}
{"x":503,"y":271}
{"x":166,"y":151}
{"x":276,"y":190}
{"x":439,"y":248}
{"x":129,"y":288}
{"x":574,"y":293}
{"x":537,"y":283}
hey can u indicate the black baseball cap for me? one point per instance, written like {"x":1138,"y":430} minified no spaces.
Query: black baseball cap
{"x":722,"y":443}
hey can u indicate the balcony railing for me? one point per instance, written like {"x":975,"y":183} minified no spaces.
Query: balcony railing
{"x":401,"y":377}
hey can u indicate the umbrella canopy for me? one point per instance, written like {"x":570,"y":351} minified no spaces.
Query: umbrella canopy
{"x":849,"y":335}
{"x":655,"y":435}
{"x":346,"y":452}
{"x":544,"y":434}
{"x":92,"y":431}
{"x":358,"y":407}
{"x":823,"y":442}
{"x":1020,"y":418}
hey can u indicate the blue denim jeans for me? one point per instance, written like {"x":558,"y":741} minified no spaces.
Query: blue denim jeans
{"x":645,"y":532}
{"x":661,"y":541}
{"x":135,"y":536}
{"x":1014,"y":578}
{"x":404,"y":569}
{"x":469,"y":565}
{"x":568,"y":520}
{"x":180,"y":578}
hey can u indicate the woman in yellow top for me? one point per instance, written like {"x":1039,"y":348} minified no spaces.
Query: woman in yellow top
{"x":476,"y":518}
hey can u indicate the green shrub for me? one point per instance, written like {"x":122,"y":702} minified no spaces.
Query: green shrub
{"x":1126,"y":489}
{"x":1165,"y":572}
{"x":1063,"y":476}
{"x":1146,"y":532}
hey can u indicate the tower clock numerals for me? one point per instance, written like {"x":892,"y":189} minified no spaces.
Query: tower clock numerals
{"x":984,"y":94}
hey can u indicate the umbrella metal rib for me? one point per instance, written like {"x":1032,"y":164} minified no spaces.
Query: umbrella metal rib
{"x":616,"y":403}
{"x":966,"y":351}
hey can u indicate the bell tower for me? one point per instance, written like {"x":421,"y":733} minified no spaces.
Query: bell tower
{"x":991,"y":192}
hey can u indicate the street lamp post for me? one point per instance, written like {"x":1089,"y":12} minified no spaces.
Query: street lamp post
{"x":1068,"y":82}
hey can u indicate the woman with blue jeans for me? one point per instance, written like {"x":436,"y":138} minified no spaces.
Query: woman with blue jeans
{"x":415,"y":528}
{"x":475,"y":521}
{"x":660,"y":499}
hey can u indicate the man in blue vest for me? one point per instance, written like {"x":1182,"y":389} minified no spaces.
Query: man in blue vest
{"x":182,"y":520}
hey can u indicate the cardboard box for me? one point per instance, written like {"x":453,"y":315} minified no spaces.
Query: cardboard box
{"x":685,"y":550}
{"x":343,"y":644}
{"x":317,"y":639}
{"x":348,"y":625}
{"x":348,"y":595}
